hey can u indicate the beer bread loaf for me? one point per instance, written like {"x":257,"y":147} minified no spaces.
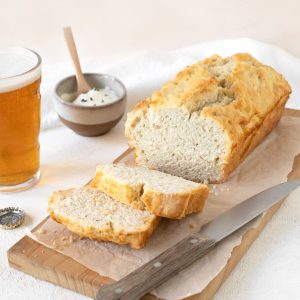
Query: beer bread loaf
{"x":92,"y":214}
{"x":160,"y":193}
{"x":201,"y":125}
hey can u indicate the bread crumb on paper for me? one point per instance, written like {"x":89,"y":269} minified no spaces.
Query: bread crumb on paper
{"x":192,"y":225}
{"x":55,"y":244}
{"x":41,"y":231}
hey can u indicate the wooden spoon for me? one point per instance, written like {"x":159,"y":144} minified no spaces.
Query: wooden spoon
{"x":82,"y":85}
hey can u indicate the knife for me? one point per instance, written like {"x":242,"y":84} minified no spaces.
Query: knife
{"x":184,"y":253}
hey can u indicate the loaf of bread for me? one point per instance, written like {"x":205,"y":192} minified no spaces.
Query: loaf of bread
{"x":92,"y":214}
{"x":160,"y":193}
{"x":201,"y":125}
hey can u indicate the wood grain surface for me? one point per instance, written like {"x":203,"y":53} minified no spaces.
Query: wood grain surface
{"x":157,"y":271}
{"x":41,"y":262}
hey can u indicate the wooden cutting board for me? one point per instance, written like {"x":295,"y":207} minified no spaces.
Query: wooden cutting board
{"x":41,"y":262}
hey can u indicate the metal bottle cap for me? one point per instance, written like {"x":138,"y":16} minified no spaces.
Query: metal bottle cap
{"x":11,"y":217}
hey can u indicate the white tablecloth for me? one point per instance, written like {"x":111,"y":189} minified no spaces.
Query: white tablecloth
{"x":270,"y":269}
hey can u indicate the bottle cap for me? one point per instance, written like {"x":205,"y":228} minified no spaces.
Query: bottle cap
{"x":11,"y":217}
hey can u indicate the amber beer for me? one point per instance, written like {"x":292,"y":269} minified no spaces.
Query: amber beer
{"x":20,"y":73}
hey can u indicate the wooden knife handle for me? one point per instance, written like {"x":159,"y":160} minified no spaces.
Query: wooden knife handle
{"x":157,"y":271}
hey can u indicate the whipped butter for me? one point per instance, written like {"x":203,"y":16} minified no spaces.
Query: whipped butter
{"x":93,"y":97}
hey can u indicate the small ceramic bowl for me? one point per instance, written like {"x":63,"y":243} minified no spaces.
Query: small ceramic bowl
{"x":90,"y":120}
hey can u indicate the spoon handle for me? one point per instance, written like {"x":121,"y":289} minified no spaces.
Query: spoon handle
{"x":82,"y":85}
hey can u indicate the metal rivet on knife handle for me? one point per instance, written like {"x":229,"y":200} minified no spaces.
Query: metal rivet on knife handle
{"x":159,"y":270}
{"x":118,"y":290}
{"x":188,"y":250}
{"x":157,"y":264}
{"x":194,"y":241}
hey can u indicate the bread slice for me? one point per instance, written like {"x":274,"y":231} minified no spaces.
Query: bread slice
{"x":202,"y":124}
{"x":93,"y":214}
{"x":160,"y":193}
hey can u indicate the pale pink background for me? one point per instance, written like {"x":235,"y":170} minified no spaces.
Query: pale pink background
{"x":106,"y":29}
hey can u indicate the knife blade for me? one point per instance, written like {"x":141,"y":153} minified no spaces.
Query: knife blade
{"x":184,"y":253}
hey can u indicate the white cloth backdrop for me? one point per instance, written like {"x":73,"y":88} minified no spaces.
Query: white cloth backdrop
{"x":147,"y":72}
{"x":271,"y":268}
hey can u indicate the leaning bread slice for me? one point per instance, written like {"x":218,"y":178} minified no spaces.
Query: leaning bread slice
{"x":160,"y":193}
{"x":93,"y":214}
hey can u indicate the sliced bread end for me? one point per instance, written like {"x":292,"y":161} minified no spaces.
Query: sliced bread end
{"x":162,"y":194}
{"x":92,"y":214}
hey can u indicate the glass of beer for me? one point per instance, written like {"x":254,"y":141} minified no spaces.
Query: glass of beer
{"x":20,"y":77}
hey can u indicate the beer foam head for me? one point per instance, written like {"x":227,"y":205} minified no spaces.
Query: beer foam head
{"x":18,"y":67}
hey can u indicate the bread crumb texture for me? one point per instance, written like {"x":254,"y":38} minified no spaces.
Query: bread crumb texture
{"x":163,"y":194}
{"x":93,"y":214}
{"x":203,"y":123}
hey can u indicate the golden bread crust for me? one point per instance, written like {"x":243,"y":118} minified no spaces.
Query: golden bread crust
{"x":177,"y":205}
{"x":135,"y":240}
{"x":238,"y":154}
{"x":246,"y":100}
{"x":118,"y":191}
{"x":171,"y":205}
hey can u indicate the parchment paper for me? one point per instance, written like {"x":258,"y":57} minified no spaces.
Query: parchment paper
{"x":268,"y":165}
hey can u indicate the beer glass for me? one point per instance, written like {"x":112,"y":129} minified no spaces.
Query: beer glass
{"x":20,"y":77}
